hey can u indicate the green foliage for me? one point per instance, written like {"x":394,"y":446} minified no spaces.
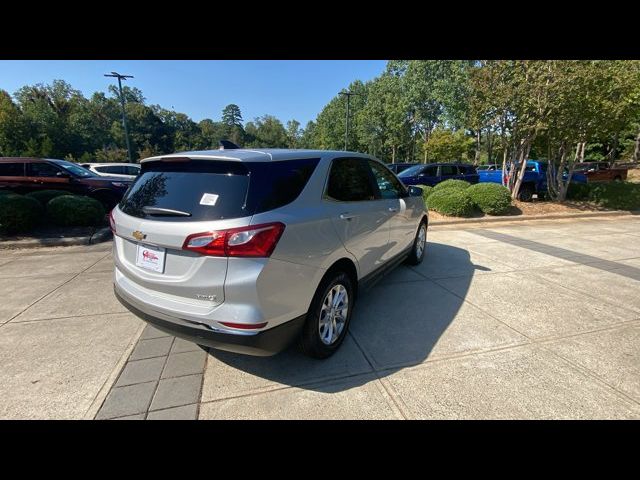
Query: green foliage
{"x":71,"y":210}
{"x":426,"y":191}
{"x":579,"y":191}
{"x":491,"y":198}
{"x":44,"y":196}
{"x":266,"y":132}
{"x":447,"y":146}
{"x":454,"y":184}
{"x":18,"y":213}
{"x":454,"y":202}
{"x":616,"y":195}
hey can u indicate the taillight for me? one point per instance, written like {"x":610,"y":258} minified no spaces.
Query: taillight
{"x":253,"y":241}
{"x":112,"y":223}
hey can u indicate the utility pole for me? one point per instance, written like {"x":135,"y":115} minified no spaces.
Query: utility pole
{"x":124,"y":116}
{"x":346,"y":132}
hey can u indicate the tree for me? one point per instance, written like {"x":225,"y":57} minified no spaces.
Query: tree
{"x":11,"y":127}
{"x":294,"y":134}
{"x":330,"y":125}
{"x":266,"y":132}
{"x":447,"y":146}
{"x":232,"y":119}
{"x":383,"y":124}
{"x":591,"y":100}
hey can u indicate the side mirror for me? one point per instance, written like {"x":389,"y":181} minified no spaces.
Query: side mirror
{"x":415,"y":191}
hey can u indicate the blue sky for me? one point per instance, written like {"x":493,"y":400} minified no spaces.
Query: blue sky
{"x":201,"y":88}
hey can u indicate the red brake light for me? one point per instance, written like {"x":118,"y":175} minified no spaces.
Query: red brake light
{"x":252,"y":241}
{"x":112,"y":223}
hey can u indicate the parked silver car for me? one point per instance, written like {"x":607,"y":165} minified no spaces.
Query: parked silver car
{"x":248,"y":251}
{"x":122,"y":170}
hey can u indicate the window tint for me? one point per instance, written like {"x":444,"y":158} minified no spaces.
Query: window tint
{"x":110,"y":169}
{"x":411,"y":171}
{"x":131,"y":170}
{"x":430,"y":171}
{"x":11,"y":169}
{"x":41,"y":170}
{"x":388,"y":184}
{"x":275,"y":184}
{"x":448,"y":170}
{"x":350,"y":180}
{"x":236,"y":189}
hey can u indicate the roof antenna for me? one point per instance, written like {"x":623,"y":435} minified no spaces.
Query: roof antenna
{"x":227,"y":145}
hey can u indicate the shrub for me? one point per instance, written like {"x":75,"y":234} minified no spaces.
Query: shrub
{"x":426,"y":191}
{"x":458,"y":184}
{"x":616,"y":195}
{"x":578,"y":191}
{"x":43,"y":196}
{"x":454,"y":202}
{"x":6,"y":192}
{"x":491,"y":198}
{"x":18,"y":213}
{"x":70,"y":210}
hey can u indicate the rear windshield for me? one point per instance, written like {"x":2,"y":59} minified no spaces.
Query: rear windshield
{"x":215,"y":190}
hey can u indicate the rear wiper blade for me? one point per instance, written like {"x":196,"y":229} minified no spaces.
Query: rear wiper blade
{"x":165,"y":211}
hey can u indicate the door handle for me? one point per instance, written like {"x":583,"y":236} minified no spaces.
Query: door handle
{"x":393,"y":209}
{"x":346,"y":216}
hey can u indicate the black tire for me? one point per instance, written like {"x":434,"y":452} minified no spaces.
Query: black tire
{"x":416,"y":257}
{"x":526,"y":193}
{"x":108,"y":200}
{"x":310,"y":342}
{"x":617,"y":179}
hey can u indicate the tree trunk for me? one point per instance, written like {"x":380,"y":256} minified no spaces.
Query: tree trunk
{"x":393,"y":154}
{"x":489,"y":147}
{"x":523,"y":154}
{"x":476,"y":158}
{"x":636,"y":151}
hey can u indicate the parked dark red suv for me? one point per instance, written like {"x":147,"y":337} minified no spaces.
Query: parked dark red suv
{"x":24,"y":175}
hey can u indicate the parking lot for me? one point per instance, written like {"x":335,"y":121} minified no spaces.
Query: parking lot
{"x":518,"y":320}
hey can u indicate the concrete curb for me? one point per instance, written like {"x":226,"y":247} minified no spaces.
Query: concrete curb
{"x":522,"y":218}
{"x":102,"y":235}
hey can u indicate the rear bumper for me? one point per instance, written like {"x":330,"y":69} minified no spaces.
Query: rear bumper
{"x":264,"y":343}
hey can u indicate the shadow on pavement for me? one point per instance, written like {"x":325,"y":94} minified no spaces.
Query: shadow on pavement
{"x":395,"y":324}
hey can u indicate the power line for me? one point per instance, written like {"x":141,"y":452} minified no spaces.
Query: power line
{"x":124,"y":116}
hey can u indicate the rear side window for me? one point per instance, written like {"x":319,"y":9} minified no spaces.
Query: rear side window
{"x":11,"y":169}
{"x":350,"y":180}
{"x":276,"y":184}
{"x":214,"y":189}
{"x":448,"y":170}
{"x":41,"y":170}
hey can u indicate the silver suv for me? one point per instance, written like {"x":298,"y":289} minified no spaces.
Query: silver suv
{"x":248,"y":251}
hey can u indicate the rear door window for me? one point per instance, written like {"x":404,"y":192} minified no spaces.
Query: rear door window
{"x":11,"y":169}
{"x":350,"y":180}
{"x":41,"y":170}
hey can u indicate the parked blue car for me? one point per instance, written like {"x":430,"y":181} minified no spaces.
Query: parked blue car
{"x":534,"y":181}
{"x":398,"y":167}
{"x":433,"y":173}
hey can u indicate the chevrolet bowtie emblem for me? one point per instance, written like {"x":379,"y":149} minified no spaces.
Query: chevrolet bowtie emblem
{"x":138,"y":235}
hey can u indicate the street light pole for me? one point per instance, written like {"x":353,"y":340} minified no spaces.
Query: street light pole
{"x":124,"y":116}
{"x":346,"y":131}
